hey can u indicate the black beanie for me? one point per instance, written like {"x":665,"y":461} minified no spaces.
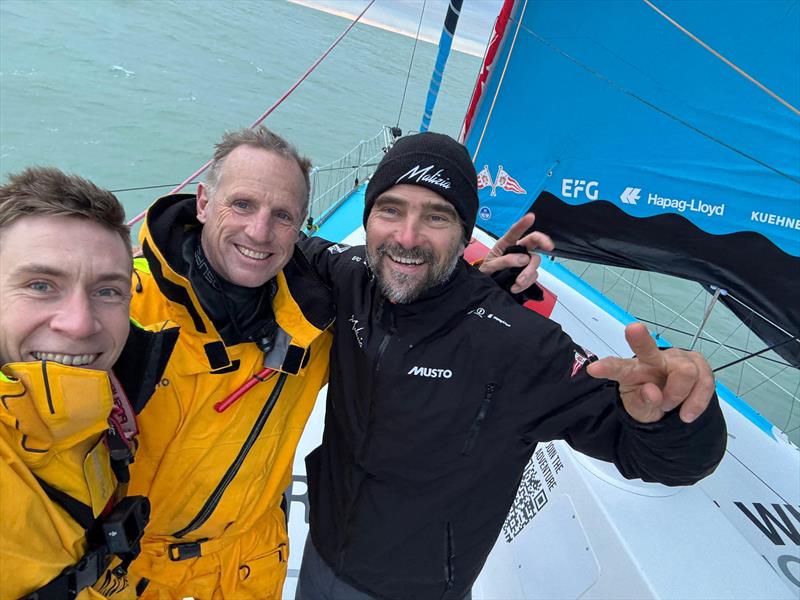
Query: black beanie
{"x":434,"y":161}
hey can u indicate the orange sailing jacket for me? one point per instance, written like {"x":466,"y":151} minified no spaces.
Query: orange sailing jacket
{"x":215,"y":480}
{"x":52,"y":421}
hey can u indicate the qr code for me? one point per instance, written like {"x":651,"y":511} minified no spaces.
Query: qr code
{"x":530,"y":499}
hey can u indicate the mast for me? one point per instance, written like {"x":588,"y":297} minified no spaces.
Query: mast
{"x":445,"y":42}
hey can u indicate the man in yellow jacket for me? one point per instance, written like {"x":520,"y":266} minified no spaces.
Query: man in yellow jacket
{"x":73,"y":375}
{"x":219,"y":435}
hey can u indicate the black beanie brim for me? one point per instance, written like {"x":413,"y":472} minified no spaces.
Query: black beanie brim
{"x":434,"y":161}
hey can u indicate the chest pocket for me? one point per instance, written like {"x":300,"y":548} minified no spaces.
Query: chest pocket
{"x":480,"y":418}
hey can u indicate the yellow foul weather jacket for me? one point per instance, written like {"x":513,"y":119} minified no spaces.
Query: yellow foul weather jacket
{"x":215,"y":480}
{"x":52,"y":424}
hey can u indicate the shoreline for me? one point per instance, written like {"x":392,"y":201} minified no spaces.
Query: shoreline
{"x":464,"y":46}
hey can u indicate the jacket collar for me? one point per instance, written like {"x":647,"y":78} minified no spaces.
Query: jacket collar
{"x":53,"y":405}
{"x":303,"y":305}
{"x":57,"y":405}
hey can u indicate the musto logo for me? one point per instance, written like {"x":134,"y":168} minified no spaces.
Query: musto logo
{"x":693,"y":205}
{"x":429,"y":372}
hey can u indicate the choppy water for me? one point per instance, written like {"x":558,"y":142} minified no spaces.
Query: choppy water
{"x":135,"y":93}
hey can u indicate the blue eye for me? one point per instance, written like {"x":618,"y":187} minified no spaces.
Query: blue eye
{"x":40,"y":286}
{"x":240,"y":204}
{"x":109,"y":292}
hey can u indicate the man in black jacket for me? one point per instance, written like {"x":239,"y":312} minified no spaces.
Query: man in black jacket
{"x":441,"y":386}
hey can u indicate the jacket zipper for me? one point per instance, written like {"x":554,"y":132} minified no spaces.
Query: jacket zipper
{"x":216,"y":495}
{"x":478,"y":422}
{"x":363,"y":451}
{"x":449,"y":567}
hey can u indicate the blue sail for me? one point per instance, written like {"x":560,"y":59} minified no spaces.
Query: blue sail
{"x":661,"y":136}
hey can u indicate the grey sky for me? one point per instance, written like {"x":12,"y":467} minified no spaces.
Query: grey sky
{"x":474,"y":25}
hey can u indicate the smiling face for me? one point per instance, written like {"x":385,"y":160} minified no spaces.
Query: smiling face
{"x":252,"y":217}
{"x":414,"y":241}
{"x":64,"y":292}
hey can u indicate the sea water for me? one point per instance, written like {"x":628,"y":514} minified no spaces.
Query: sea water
{"x":134,"y":94}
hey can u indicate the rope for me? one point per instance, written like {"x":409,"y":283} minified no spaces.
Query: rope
{"x":722,"y":58}
{"x":754,"y":354}
{"x":277,"y":103}
{"x":410,"y":64}
{"x":146,"y":187}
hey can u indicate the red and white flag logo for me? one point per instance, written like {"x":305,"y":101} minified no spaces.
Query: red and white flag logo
{"x":580,"y":361}
{"x":503,"y":180}
{"x":507,"y":182}
{"x":485,"y":178}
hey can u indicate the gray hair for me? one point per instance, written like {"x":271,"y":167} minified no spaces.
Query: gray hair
{"x":260,"y":137}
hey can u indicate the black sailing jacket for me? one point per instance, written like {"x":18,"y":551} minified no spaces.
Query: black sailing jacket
{"x":435,"y":407}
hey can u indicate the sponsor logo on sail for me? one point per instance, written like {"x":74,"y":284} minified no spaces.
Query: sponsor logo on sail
{"x":421,"y":174}
{"x":681,"y":206}
{"x":630,"y":195}
{"x":773,"y":219}
{"x":576,"y":188}
{"x":431,"y":372}
{"x":502,"y":180}
{"x":485,"y":213}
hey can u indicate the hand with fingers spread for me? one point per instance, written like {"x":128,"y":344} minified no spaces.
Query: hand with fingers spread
{"x":655,"y":381}
{"x":496,"y":261}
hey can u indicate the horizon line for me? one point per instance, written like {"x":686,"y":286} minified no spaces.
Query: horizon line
{"x":461,"y":45}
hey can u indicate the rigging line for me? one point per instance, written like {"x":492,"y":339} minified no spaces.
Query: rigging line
{"x":657,"y":108}
{"x":778,"y":327}
{"x":411,"y":62}
{"x":712,"y":340}
{"x":653,"y":299}
{"x":600,"y":339}
{"x":791,"y":410}
{"x":146,"y":187}
{"x":342,"y":168}
{"x":275,"y":105}
{"x":754,"y":474}
{"x":754,"y":354}
{"x":722,"y":58}
{"x":762,"y":382}
{"x":724,"y":343}
{"x":678,"y":315}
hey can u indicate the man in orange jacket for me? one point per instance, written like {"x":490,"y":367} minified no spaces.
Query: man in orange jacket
{"x":74,"y":373}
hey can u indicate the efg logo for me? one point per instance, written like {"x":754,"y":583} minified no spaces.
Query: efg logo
{"x":432,"y":373}
{"x":575,"y":188}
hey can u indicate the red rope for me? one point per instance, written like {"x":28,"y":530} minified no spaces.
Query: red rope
{"x":258,"y":121}
{"x":262,"y":375}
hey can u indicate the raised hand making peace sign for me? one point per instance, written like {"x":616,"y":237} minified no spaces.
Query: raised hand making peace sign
{"x":655,"y":381}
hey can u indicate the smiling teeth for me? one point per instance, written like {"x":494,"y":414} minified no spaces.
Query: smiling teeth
{"x":252,"y":253}
{"x":407,"y":261}
{"x":72,"y":360}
